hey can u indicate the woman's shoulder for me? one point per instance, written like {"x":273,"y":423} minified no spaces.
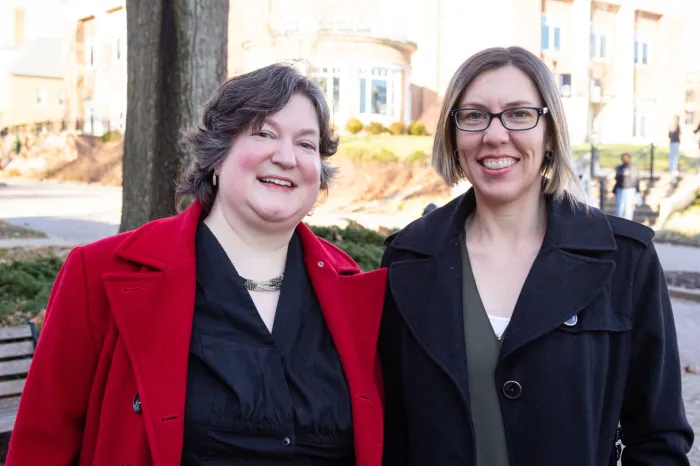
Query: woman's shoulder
{"x":629,"y":231}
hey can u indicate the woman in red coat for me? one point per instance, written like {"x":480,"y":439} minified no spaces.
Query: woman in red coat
{"x":228,"y":334}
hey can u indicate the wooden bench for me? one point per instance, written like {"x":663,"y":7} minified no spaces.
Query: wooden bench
{"x":16,"y":350}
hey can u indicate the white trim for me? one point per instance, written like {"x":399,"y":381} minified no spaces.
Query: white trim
{"x":598,"y":32}
{"x":552,"y":23}
{"x":639,"y":42}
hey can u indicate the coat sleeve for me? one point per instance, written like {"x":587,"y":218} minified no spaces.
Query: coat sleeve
{"x":395,"y":426}
{"x":654,"y":426}
{"x":52,"y":410}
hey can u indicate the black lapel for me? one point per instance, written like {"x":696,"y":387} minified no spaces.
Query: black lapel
{"x":428,"y":294}
{"x":558,"y":287}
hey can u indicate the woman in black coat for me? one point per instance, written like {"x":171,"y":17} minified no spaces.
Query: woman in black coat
{"x":522,"y":327}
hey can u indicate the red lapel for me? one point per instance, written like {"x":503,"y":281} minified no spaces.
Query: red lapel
{"x":351,"y":305}
{"x":153,"y":311}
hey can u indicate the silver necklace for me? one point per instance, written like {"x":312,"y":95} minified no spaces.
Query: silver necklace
{"x":274,"y":284}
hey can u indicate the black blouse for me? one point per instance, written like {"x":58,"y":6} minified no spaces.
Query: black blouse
{"x":255,"y":397}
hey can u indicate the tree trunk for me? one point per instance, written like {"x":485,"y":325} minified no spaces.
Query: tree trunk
{"x":176,"y":57}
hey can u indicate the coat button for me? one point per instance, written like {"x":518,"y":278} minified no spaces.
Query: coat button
{"x":286,"y":441}
{"x":320,"y":264}
{"x":136,"y":405}
{"x":571,"y":321}
{"x":512,"y":389}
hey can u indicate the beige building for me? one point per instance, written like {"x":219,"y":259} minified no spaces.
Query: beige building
{"x":32,"y":87}
{"x":620,"y":64}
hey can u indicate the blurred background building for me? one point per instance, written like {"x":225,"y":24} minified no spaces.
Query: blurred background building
{"x":621,"y":65}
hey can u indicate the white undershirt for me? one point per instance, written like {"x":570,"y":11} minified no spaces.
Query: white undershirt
{"x":499,"y":324}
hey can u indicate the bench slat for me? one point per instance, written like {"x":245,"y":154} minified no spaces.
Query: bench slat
{"x":10,"y":333}
{"x":12,"y":387}
{"x":21,"y":348}
{"x":20,"y":366}
{"x":8,"y":414}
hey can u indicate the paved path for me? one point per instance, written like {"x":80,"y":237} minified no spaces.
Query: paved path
{"x":687,"y":315}
{"x":675,"y":257}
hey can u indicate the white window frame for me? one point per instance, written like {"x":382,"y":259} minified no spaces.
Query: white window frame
{"x":392,"y":76}
{"x":639,"y":42}
{"x":597,"y":33}
{"x":643,"y":119}
{"x":41,"y":95}
{"x":329,"y":73}
{"x":552,"y":23}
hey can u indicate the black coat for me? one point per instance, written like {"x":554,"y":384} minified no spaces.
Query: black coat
{"x":618,"y":363}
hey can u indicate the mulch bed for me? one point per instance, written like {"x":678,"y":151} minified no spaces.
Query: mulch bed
{"x":689,"y":280}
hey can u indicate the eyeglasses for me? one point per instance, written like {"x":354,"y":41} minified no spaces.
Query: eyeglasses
{"x":513,"y":119}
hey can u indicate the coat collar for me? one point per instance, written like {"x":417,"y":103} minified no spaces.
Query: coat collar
{"x":570,"y":226}
{"x":153,"y":309}
{"x":428,"y":287}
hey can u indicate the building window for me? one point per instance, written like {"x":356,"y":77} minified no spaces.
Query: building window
{"x":118,"y":49}
{"x":378,"y":91}
{"x":643,"y":113}
{"x":599,"y":43}
{"x":551,"y":34}
{"x":62,"y":96}
{"x":641,"y":52}
{"x":41,"y":96}
{"x":90,"y":52}
{"x":689,"y":117}
{"x":565,"y":84}
{"x":328,"y":79}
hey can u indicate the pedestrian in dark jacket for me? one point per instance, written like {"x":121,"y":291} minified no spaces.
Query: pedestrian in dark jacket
{"x":522,"y":327}
{"x":626,"y":187}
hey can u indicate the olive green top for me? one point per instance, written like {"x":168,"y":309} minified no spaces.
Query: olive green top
{"x":482,"y":355}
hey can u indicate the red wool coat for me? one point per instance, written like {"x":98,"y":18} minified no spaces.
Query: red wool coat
{"x":118,"y":325}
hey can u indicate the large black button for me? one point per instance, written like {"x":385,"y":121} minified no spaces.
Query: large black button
{"x":286,"y":441}
{"x":512,"y":389}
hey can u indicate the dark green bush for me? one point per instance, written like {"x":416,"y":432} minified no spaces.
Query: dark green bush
{"x":25,"y":287}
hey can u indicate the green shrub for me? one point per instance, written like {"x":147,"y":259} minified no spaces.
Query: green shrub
{"x":384,"y":156}
{"x":417,"y":128}
{"x":397,"y":128}
{"x":355,"y":154}
{"x":25,"y":287}
{"x":375,"y":128}
{"x":353,"y":126}
{"x":418,"y":157}
{"x":113,"y":135}
{"x":365,"y":246}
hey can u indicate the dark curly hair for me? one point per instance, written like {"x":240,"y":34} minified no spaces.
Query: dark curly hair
{"x":241,"y":103}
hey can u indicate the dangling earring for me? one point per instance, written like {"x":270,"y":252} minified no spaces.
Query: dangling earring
{"x":214,"y":179}
{"x":549,"y":154}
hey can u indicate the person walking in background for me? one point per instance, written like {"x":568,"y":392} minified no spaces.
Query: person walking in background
{"x":626,"y":187}
{"x":228,"y":334}
{"x":674,"y":137}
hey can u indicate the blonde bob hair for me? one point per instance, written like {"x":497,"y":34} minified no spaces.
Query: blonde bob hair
{"x":560,"y":177}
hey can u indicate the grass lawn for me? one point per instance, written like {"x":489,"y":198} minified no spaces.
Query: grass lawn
{"x":12,"y":231}
{"x":610,"y":156}
{"x":403,"y":146}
